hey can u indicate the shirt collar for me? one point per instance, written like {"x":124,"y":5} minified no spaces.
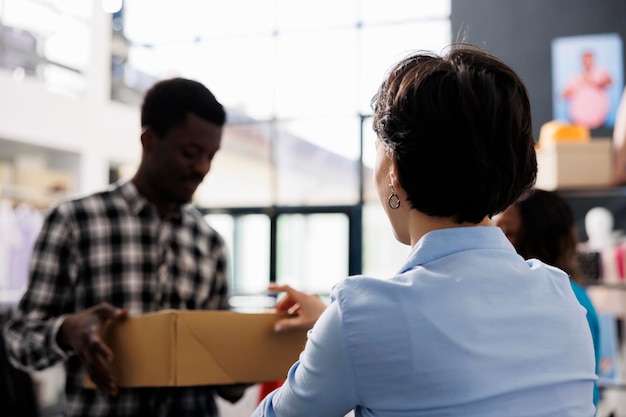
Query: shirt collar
{"x":443,"y":242}
{"x":136,"y":202}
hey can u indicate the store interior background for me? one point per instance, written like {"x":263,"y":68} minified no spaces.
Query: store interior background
{"x":291,"y":189}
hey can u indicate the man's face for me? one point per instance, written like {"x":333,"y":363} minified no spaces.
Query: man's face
{"x":180,"y":159}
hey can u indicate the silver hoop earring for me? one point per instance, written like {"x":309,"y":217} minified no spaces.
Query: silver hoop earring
{"x":393,"y":200}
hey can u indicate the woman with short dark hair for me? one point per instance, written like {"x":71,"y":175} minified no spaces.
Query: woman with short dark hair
{"x":465,"y":327}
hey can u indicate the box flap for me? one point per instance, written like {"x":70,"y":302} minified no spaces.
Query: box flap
{"x":234,"y":347}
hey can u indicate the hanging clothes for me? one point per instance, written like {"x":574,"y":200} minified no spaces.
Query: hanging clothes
{"x":29,"y":222}
{"x":10,"y":238}
{"x":19,"y":228}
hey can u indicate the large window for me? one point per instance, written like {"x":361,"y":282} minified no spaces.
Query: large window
{"x":291,"y":188}
{"x":49,"y":40}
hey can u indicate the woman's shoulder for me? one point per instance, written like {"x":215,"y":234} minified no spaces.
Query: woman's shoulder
{"x":364,"y":292}
{"x":365,"y":284}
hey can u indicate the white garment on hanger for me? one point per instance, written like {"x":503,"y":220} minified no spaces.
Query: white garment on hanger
{"x":10,"y":238}
{"x":29,"y":221}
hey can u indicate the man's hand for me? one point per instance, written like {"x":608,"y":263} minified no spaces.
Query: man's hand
{"x":232,"y":393}
{"x":307,"y":308}
{"x":82,"y":332}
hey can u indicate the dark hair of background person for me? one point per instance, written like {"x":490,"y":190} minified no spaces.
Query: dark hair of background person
{"x":460,"y":130}
{"x":547,"y":231}
{"x":167,"y":104}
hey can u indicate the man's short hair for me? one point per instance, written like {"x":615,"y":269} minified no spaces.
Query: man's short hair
{"x":168,"y":102}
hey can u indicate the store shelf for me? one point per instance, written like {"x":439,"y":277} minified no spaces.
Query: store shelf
{"x":612,"y":285}
{"x":612,"y":385}
{"x":593,"y":192}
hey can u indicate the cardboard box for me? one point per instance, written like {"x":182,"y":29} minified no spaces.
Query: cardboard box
{"x":44,"y":180}
{"x":575,"y":164}
{"x":184,"y":348}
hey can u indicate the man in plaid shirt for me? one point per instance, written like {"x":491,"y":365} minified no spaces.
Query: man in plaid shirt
{"x":134,"y":248}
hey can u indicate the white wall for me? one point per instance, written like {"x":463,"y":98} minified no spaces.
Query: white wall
{"x":98,"y":132}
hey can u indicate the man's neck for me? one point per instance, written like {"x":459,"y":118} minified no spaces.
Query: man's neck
{"x":164,"y":208}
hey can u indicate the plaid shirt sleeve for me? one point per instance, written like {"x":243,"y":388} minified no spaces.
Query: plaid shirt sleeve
{"x":220,"y":289}
{"x":31,"y":332}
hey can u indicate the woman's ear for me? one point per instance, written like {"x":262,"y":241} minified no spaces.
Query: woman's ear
{"x":393,"y":174}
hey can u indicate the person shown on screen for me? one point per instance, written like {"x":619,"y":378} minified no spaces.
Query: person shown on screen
{"x":586,"y":94}
{"x":133,"y":248}
{"x":619,"y":142}
{"x":541,"y":225}
{"x":465,"y":327}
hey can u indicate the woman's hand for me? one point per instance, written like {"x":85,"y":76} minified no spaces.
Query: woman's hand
{"x":82,"y":333}
{"x":306,"y":308}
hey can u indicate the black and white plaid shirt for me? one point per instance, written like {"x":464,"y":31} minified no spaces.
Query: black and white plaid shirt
{"x":112,"y":246}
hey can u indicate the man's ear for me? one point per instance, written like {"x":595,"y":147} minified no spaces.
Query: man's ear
{"x":147,"y":139}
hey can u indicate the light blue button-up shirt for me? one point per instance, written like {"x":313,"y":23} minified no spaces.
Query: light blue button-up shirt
{"x":466,"y":328}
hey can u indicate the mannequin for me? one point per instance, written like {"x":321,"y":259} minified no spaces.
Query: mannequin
{"x":599,"y":223}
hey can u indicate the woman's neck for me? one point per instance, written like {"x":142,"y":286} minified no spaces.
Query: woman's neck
{"x":420,"y":224}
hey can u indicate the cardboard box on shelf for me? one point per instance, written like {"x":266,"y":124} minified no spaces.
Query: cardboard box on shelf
{"x":575,"y":164}
{"x":185,"y":348}
{"x":44,"y":180}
